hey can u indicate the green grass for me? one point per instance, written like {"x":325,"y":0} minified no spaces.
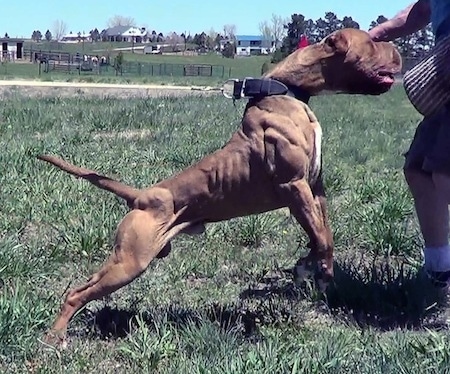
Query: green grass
{"x":234,"y":68}
{"x":223,"y":302}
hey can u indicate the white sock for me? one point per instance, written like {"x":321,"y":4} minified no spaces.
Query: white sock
{"x":437,"y":258}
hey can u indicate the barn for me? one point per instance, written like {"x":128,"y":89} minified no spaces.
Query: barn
{"x":12,"y":49}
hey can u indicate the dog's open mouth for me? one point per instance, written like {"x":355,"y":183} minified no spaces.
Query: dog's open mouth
{"x":385,"y":77}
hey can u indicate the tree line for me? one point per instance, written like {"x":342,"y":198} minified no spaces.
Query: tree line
{"x":412,"y":46}
{"x":284,"y":32}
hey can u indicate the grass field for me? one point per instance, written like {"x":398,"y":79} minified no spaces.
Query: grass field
{"x":234,"y":68}
{"x":223,"y":302}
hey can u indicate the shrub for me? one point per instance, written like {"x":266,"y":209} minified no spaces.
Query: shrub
{"x":228,"y":50}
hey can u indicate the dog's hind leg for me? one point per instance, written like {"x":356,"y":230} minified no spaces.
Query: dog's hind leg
{"x":308,"y":206}
{"x":139,"y":238}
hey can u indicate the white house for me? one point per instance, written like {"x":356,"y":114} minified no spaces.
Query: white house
{"x":124,"y":34}
{"x":134,"y":32}
{"x":248,"y":45}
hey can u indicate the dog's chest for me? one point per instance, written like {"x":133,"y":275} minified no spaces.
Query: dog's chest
{"x":316,"y":160}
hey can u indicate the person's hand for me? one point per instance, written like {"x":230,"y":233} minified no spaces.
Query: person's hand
{"x":376,"y":34}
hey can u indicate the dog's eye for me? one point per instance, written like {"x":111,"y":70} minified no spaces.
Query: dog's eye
{"x":331,"y":42}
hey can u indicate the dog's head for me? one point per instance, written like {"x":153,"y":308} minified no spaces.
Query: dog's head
{"x":346,"y":61}
{"x":356,"y":64}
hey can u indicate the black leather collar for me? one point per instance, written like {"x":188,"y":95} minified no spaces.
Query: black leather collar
{"x":258,"y":88}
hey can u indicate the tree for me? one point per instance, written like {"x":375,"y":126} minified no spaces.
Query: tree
{"x":95,"y":35}
{"x":121,"y":21}
{"x":200,"y":40}
{"x":183,"y":40}
{"x":278,"y":27}
{"x":228,"y":50}
{"x":211,"y":39}
{"x":295,"y":29}
{"x":48,"y":35}
{"x":154,"y":36}
{"x":6,"y":35}
{"x":424,"y":41}
{"x":160,"y":38}
{"x":36,"y":36}
{"x":325,"y":26}
{"x":229,"y":31}
{"x":174,"y":40}
{"x":118,"y":63}
{"x":265,"y":30}
{"x":415,"y":45}
{"x":275,"y":29}
{"x":349,"y":23}
{"x":197,"y":40}
{"x":59,"y":29}
{"x":218,"y":39}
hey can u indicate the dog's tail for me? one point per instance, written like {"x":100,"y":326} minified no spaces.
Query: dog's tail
{"x":118,"y":188}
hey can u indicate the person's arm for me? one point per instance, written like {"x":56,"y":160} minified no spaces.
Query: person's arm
{"x":415,"y":17}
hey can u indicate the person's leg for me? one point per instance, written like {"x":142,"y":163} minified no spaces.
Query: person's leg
{"x":431,"y":207}
{"x":426,"y":166}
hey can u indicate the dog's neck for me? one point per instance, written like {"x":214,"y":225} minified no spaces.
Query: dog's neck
{"x":302,"y":70}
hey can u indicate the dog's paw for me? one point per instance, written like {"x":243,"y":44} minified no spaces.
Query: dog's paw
{"x":323,"y":276}
{"x":55,"y":339}
{"x":307,"y":268}
{"x":303,"y":270}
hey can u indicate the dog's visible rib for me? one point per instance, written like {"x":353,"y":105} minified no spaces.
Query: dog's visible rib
{"x":120,"y":189}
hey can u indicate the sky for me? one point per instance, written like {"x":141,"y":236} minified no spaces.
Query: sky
{"x":20,"y":18}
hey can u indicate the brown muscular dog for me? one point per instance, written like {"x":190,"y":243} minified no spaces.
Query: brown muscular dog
{"x":272,"y":161}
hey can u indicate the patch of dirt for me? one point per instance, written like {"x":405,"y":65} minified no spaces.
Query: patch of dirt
{"x":128,"y":135}
{"x":71,"y":89}
{"x":37,"y":231}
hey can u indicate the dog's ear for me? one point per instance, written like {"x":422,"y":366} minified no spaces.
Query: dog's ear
{"x":336,"y":43}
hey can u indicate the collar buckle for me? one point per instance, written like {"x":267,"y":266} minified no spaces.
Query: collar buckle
{"x":233,"y":89}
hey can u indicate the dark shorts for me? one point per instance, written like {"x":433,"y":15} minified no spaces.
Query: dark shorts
{"x":430,"y":149}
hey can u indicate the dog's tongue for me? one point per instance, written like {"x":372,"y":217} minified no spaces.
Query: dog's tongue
{"x":387,"y":79}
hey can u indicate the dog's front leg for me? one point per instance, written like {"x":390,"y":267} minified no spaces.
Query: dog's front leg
{"x":308,"y":206}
